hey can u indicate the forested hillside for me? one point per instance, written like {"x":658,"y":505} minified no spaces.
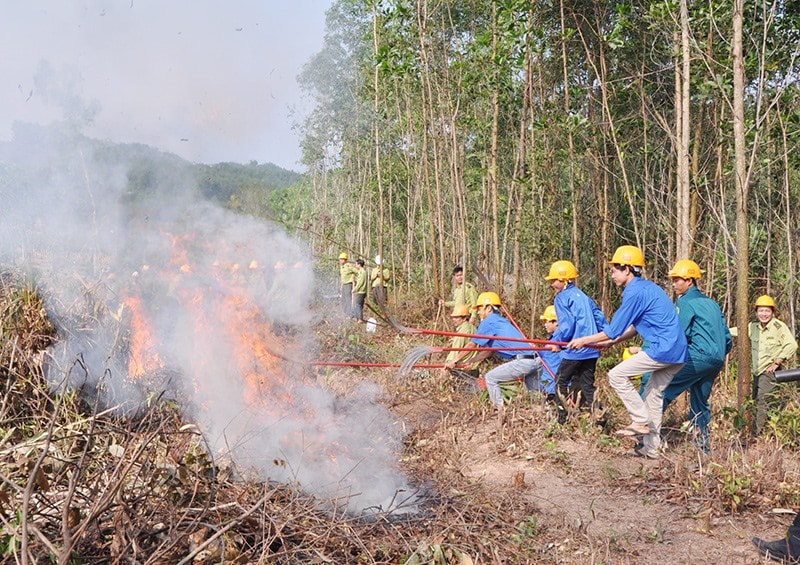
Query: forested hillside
{"x":507,"y":134}
{"x":244,"y":188}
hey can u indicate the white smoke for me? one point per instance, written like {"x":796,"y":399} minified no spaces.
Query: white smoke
{"x":70,"y":219}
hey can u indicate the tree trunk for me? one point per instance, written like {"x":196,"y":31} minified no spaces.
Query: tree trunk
{"x":494,"y":181}
{"x":683,"y":103}
{"x":574,"y":237}
{"x":742,"y":232}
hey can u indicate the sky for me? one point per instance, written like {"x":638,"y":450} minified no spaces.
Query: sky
{"x":210,"y":81}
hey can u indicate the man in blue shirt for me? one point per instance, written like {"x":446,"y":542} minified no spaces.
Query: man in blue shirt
{"x":647,"y":310}
{"x":709,"y":342}
{"x":551,"y":360}
{"x":578,"y":316}
{"x":519,"y":362}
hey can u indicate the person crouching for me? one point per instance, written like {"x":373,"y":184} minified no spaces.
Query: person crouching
{"x":519,"y":363}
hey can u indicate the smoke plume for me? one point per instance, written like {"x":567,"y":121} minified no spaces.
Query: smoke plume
{"x":161,"y":294}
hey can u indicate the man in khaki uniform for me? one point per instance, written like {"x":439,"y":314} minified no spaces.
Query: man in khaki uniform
{"x":359,"y":290}
{"x":379,"y":279}
{"x":347,"y":274}
{"x":460,"y":318}
{"x":772,"y":345}
{"x":463,"y":293}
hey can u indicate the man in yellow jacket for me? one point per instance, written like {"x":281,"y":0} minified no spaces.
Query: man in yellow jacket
{"x":347,"y":275}
{"x":772,"y":344}
{"x":463,"y":293}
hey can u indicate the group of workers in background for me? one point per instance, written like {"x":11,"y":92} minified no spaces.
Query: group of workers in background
{"x":354,"y":281}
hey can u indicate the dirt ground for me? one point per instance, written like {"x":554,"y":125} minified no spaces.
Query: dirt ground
{"x":595,"y":504}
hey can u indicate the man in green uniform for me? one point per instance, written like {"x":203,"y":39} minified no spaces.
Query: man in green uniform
{"x":460,"y":318}
{"x":772,"y":345}
{"x":379,"y":279}
{"x":347,"y":273}
{"x":463,"y":293}
{"x":359,"y":290}
{"x":709,"y":342}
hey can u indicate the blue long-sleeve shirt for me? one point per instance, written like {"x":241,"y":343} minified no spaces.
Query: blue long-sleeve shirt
{"x":496,"y":325}
{"x":647,"y":307}
{"x":578,"y":316}
{"x":705,"y":328}
{"x":547,"y":383}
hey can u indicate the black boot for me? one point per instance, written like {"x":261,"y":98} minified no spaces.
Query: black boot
{"x":778,"y":550}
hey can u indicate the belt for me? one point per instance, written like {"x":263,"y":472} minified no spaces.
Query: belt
{"x":534,"y":356}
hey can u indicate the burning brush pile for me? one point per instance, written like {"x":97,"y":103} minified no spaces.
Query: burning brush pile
{"x":166,"y":342}
{"x":225,"y":339}
{"x":91,"y":477}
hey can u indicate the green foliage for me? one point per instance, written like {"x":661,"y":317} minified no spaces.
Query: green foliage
{"x":527,"y":531}
{"x":403,"y":150}
{"x":739,"y":417}
{"x":784,"y":422}
{"x":9,"y":542}
{"x":733,"y":488}
{"x":244,"y":188}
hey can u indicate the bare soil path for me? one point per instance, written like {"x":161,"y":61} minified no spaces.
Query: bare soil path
{"x":595,"y":503}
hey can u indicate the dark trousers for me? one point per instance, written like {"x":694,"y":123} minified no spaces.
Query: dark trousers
{"x":347,"y":298}
{"x":699,"y":383}
{"x":379,"y":295}
{"x":358,"y":306}
{"x":765,"y":391}
{"x":581,"y":373}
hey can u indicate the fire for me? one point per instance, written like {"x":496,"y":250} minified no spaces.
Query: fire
{"x":216,"y":321}
{"x":144,"y":357}
{"x":222,"y":307}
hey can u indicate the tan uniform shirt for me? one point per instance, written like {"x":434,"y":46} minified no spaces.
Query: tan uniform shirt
{"x":775,"y":341}
{"x":462,"y":341}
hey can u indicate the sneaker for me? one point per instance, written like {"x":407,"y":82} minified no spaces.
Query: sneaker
{"x":777,"y":550}
{"x":646,"y":453}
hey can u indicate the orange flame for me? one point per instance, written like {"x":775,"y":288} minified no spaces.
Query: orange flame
{"x":224,"y":313}
{"x":144,"y":355}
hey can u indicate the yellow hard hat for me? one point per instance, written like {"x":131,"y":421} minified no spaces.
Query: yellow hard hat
{"x":549,"y":314}
{"x":686,"y":269}
{"x":562,"y":271}
{"x":343,"y":256}
{"x":487,"y":298}
{"x":253,"y":264}
{"x":628,"y":255}
{"x":460,"y":310}
{"x":765,"y":300}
